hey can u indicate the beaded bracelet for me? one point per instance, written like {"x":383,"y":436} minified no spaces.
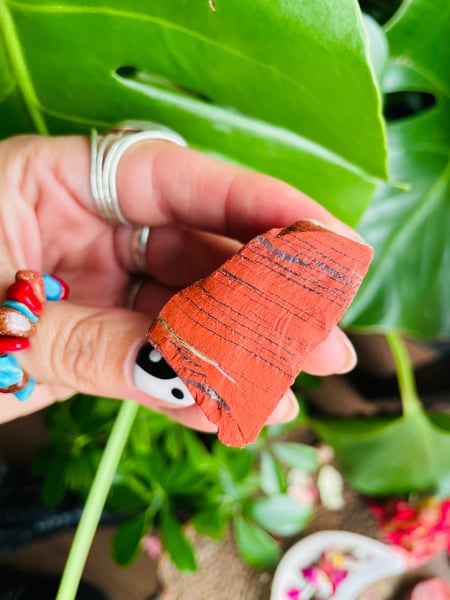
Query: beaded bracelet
{"x":19,"y":315}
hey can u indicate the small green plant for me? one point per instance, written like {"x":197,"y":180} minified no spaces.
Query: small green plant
{"x":169,"y":475}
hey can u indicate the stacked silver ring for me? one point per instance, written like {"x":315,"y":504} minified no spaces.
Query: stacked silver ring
{"x":106,"y":152}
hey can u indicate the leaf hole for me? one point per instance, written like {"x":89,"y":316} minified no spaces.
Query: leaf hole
{"x":380,"y":10}
{"x":134,"y":74}
{"x":399,"y":105}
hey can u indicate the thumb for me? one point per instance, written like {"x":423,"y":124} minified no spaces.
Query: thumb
{"x":89,"y":349}
{"x":80,"y":348}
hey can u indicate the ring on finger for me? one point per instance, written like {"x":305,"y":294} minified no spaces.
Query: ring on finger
{"x":138,"y":249}
{"x":106,"y":153}
{"x":136,"y":285}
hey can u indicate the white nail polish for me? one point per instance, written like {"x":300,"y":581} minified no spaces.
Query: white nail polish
{"x":156,"y":378}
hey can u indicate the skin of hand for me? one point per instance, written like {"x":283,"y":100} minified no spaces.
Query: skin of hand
{"x":200,"y":211}
{"x":432,"y":589}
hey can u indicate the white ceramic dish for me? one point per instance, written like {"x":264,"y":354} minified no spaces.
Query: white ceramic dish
{"x":375,"y":561}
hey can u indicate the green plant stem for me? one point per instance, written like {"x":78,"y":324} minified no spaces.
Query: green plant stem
{"x":405,"y":374}
{"x":96,"y":501}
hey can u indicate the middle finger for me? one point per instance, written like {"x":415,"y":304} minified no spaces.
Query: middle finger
{"x":177,"y":256}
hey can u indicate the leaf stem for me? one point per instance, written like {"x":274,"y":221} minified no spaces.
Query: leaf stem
{"x":96,"y":501}
{"x":405,"y":374}
{"x":19,"y":67}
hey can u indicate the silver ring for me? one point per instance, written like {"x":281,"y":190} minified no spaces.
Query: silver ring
{"x":138,"y":249}
{"x":106,"y":152}
{"x":136,"y":286}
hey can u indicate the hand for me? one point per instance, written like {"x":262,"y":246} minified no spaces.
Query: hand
{"x":200,"y":211}
{"x":432,"y":589}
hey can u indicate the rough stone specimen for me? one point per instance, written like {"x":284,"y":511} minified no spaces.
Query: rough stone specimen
{"x":239,"y":337}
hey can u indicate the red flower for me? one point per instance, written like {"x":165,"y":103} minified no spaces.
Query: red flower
{"x":419,"y":530}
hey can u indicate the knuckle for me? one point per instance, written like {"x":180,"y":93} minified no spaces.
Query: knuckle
{"x":80,"y":354}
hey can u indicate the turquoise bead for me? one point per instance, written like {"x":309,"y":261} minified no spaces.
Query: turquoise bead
{"x":26,"y":392}
{"x":53,"y":288}
{"x":10,"y":371}
{"x":22,"y":309}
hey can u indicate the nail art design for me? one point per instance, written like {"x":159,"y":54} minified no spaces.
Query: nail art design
{"x":155,"y":377}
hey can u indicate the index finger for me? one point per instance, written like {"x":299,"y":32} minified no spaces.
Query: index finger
{"x":160,"y":183}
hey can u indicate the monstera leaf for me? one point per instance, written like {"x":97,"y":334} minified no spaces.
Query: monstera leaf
{"x":400,"y":455}
{"x":391,"y":456}
{"x":408,"y":286}
{"x":282,"y":87}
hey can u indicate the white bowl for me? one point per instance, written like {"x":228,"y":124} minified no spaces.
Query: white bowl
{"x":375,"y":561}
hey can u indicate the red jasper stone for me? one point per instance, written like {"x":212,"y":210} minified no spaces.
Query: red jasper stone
{"x":13,"y":344}
{"x":22,"y":291}
{"x":239,"y":337}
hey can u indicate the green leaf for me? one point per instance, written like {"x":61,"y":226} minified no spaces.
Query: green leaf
{"x":407,"y":286}
{"x":280,"y":514}
{"x":55,"y":482}
{"x":256,"y":547}
{"x":316,"y":122}
{"x":390,"y":456}
{"x":129,"y":494}
{"x":126,"y":542}
{"x":418,"y":38}
{"x":140,"y":437}
{"x":184,"y":478}
{"x":79,"y":474}
{"x":173,"y":444}
{"x":238,"y":462}
{"x":296,"y":455}
{"x":212,"y":521}
{"x":175,"y":542}
{"x":378,"y":47}
{"x":196,"y":451}
{"x":149,"y":468}
{"x":442,"y":420}
{"x":409,"y":225}
{"x":273,"y":478}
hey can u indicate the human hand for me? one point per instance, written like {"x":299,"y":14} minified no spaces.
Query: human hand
{"x":431,"y":589}
{"x":200,"y":211}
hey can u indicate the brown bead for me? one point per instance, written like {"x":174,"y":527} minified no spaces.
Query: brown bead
{"x":16,"y":387}
{"x":15,"y":324}
{"x":36,"y":281}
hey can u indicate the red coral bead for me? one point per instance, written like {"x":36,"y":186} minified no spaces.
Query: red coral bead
{"x":22,"y":291}
{"x":13,"y":344}
{"x":65,"y":288}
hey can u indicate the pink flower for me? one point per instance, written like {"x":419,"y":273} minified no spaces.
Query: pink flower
{"x":337,"y":577}
{"x":312,"y":574}
{"x":152,"y":546}
{"x":417,"y":530}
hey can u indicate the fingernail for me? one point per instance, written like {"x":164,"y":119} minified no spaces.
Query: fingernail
{"x":154,"y":376}
{"x":341,"y":229}
{"x":351,"y":358}
{"x":286,"y":410}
